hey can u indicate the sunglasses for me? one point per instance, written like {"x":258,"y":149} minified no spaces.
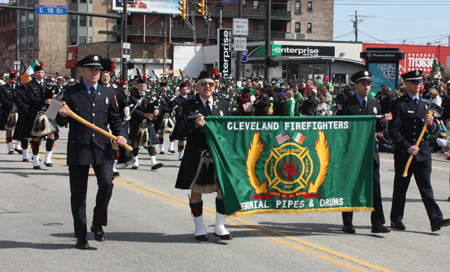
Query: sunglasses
{"x":204,"y":83}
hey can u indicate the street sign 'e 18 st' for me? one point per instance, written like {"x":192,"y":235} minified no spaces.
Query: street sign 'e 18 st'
{"x":51,"y":9}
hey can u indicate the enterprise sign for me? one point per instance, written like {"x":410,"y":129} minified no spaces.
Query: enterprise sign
{"x":294,"y":50}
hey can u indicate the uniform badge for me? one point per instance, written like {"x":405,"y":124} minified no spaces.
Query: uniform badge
{"x":221,"y":113}
{"x":375,"y":110}
{"x":15,"y":93}
{"x":106,"y":101}
{"x":417,"y":73}
{"x":366,"y":73}
{"x":95,"y":58}
{"x":339,"y":107}
{"x":180,"y":110}
{"x":173,"y":104}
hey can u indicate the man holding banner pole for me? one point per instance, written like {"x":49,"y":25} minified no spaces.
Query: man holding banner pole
{"x":360,"y":104}
{"x":196,"y":170}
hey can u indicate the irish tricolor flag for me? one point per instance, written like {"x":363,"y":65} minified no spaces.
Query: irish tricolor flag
{"x":30,"y":70}
{"x":298,"y":137}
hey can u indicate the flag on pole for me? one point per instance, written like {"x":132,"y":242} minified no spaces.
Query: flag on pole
{"x":12,"y":46}
{"x":30,"y":70}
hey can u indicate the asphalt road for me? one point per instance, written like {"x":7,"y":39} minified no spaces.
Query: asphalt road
{"x":150,"y":227}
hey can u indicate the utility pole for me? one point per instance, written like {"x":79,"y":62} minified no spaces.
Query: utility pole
{"x":124,"y":40}
{"x":358,"y":19}
{"x":239,"y":53}
{"x":268,"y":30}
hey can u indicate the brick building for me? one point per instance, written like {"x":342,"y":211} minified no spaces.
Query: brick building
{"x":8,"y":38}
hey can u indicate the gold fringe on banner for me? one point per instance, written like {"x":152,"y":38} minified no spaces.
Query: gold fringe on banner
{"x":286,"y":211}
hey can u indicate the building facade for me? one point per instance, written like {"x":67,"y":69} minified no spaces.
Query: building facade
{"x":8,"y":38}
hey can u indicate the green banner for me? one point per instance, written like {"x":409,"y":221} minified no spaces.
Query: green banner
{"x":293,"y":164}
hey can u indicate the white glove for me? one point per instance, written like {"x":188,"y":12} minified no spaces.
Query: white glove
{"x":126,"y":111}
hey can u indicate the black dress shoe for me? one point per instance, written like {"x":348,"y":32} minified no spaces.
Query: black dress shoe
{"x":99,"y":234}
{"x":134,"y":167}
{"x":25,"y":160}
{"x":379,"y":228}
{"x":11,"y":152}
{"x":161,"y":152}
{"x":398,"y":225}
{"x":348,"y":229}
{"x":157,"y":166}
{"x":201,"y":238}
{"x":224,"y":237}
{"x":48,"y":164}
{"x":82,"y":244}
{"x":440,"y":223}
{"x":37,"y":167}
{"x":172,"y":151}
{"x":116,"y":174}
{"x":19,"y":151}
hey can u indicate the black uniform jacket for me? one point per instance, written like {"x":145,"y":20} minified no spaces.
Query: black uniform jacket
{"x":408,"y":119}
{"x":84,"y":145}
{"x":196,"y":139}
{"x":35,"y":95}
{"x":6,"y":98}
{"x":353,"y":107}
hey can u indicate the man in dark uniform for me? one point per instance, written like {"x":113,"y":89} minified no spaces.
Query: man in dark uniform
{"x":176,"y":103}
{"x":39,"y":95}
{"x":202,"y":105}
{"x":85,"y":147}
{"x":385,"y":99}
{"x":20,"y":99}
{"x":7,"y":101}
{"x":409,"y":117}
{"x":121,"y":102}
{"x":360,"y":104}
{"x":144,"y":112}
{"x":164,"y":108}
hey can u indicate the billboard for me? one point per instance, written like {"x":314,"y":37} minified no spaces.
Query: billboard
{"x":418,"y":57}
{"x":154,"y":6}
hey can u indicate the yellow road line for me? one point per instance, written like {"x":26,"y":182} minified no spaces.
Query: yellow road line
{"x":176,"y":201}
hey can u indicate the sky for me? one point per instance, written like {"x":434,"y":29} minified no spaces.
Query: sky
{"x":395,"y":22}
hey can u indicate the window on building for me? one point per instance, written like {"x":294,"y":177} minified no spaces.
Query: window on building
{"x":74,"y":20}
{"x":22,"y":2}
{"x":30,"y":42}
{"x":309,"y":27}
{"x":90,"y":1}
{"x":82,"y":1}
{"x":310,"y":5}
{"x":30,"y":19}
{"x":30,"y":1}
{"x":255,"y":25}
{"x":255,"y":4}
{"x":23,"y":40}
{"x":244,"y":3}
{"x":73,"y":40}
{"x":172,"y":23}
{"x":180,"y":41}
{"x":74,"y":1}
{"x":82,"y":20}
{"x":90,"y":21}
{"x":297,"y":27}
{"x":163,"y":22}
{"x":82,"y":39}
{"x":181,"y":22}
{"x":217,"y":23}
{"x":90,"y":40}
{"x":298,"y":6}
{"x":23,"y":21}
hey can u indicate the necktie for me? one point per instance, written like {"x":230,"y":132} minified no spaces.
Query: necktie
{"x":92,"y":93}
{"x":416,"y":100}
{"x":208,"y":107}
{"x":364,"y":105}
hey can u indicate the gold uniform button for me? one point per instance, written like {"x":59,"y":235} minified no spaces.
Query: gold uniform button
{"x":93,"y":104}
{"x":93,"y":135}
{"x":93,"y":114}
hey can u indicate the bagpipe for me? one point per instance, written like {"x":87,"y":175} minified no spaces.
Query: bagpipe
{"x":142,"y":137}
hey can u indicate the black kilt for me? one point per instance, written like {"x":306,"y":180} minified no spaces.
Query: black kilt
{"x":158,"y":122}
{"x":29,"y":124}
{"x":19,"y":132}
{"x":152,"y":137}
{"x":4,"y":117}
{"x":188,"y":167}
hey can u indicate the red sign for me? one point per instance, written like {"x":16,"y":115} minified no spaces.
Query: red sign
{"x":417,"y":57}
{"x":72,"y":57}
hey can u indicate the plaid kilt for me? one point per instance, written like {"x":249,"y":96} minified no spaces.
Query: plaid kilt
{"x":188,"y":167}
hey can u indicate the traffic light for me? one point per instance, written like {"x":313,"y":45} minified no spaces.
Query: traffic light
{"x":183,"y":9}
{"x":202,"y":7}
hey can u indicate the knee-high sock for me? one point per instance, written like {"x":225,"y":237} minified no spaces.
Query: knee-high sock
{"x":35,"y":147}
{"x":196,"y":208}
{"x":220,"y":208}
{"x":151,"y":150}
{"x":135,"y":151}
{"x":49,"y":144}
